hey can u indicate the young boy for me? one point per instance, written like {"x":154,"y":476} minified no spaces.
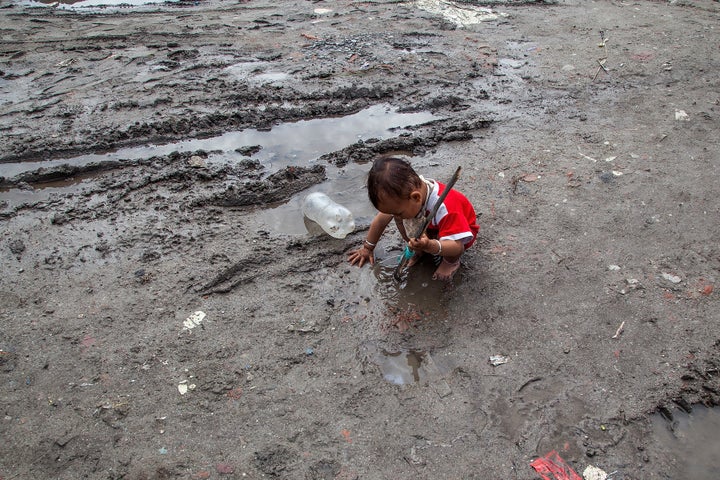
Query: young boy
{"x":400,"y":194}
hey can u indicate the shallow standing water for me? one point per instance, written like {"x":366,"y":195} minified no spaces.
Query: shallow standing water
{"x":693,"y":439}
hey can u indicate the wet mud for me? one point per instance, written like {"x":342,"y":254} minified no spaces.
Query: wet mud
{"x":167,"y":312}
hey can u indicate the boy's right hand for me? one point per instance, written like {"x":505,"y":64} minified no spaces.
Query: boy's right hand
{"x":361,"y":256}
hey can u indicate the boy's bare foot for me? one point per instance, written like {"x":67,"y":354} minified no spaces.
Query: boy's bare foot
{"x":446,"y":270}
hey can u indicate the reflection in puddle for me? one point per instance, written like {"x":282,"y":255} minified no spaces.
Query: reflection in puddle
{"x":299,"y":143}
{"x":405,"y":367}
{"x":693,"y":440}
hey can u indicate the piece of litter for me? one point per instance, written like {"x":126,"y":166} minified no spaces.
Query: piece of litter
{"x":610,"y":159}
{"x":163,"y":451}
{"x":617,"y":173}
{"x":681,"y":116}
{"x":613,"y":267}
{"x":322,"y":11}
{"x":461,"y":16}
{"x":196,"y":161}
{"x":619,"y":330}
{"x":194,"y":320}
{"x":496,"y":360}
{"x":552,"y":464}
{"x":183,"y":387}
{"x":594,"y":473}
{"x":671,"y":278}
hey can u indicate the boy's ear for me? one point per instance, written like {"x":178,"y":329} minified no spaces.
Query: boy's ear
{"x":416,"y":196}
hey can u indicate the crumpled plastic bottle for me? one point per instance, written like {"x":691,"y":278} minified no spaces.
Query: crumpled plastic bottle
{"x":336,"y":220}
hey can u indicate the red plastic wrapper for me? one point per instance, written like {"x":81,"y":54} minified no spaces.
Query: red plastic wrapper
{"x":553,"y":467}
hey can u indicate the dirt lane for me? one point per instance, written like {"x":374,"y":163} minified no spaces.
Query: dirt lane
{"x":596,"y":192}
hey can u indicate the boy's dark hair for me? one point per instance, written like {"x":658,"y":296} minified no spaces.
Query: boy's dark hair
{"x":393,"y":177}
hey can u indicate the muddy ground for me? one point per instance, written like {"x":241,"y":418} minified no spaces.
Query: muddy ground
{"x":593,"y":169}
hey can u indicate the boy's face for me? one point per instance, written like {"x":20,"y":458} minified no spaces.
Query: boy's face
{"x":403,"y":208}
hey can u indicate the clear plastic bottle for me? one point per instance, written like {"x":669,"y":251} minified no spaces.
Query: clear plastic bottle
{"x":336,"y":220}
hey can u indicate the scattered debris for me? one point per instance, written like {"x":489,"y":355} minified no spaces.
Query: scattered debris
{"x":671,"y":278}
{"x":184,"y":387}
{"x":496,"y":360}
{"x":613,"y":267}
{"x":601,"y":61}
{"x":460,"y":15}
{"x":585,"y":156}
{"x":632,"y":284}
{"x":594,"y":473}
{"x":194,"y":320}
{"x":553,"y":467}
{"x":196,"y":161}
{"x":619,"y":330}
{"x":682,"y":116}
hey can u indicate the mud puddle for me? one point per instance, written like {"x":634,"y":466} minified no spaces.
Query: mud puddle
{"x":692,"y":439}
{"x":407,"y":367}
{"x":299,"y":143}
{"x":290,"y":144}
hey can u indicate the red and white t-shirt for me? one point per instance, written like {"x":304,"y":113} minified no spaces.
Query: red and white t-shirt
{"x":455,"y":219}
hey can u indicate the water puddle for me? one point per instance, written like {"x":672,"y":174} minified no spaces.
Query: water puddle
{"x":407,"y":367}
{"x":693,"y":439}
{"x":298,"y":144}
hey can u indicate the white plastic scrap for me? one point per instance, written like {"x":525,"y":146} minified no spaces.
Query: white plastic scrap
{"x":496,"y":360}
{"x":461,"y":16}
{"x":194,"y":320}
{"x":613,"y":267}
{"x":671,"y":278}
{"x":682,"y":116}
{"x":183,"y":387}
{"x":594,"y":473}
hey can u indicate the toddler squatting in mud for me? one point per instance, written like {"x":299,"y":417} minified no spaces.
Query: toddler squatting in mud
{"x":399,"y":193}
